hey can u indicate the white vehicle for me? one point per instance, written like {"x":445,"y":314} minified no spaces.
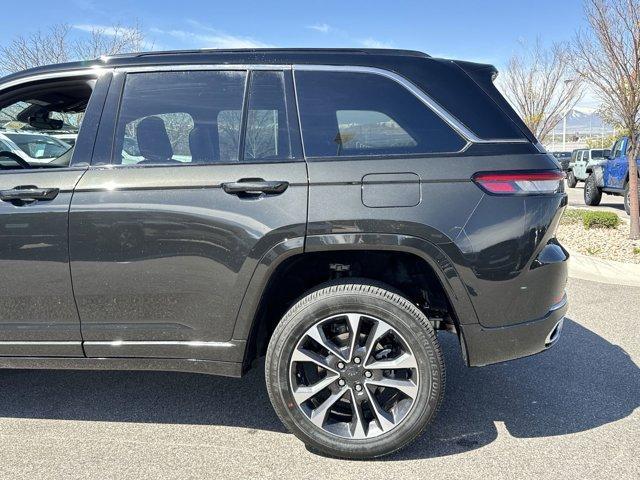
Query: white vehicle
{"x":69,"y":138}
{"x":581,"y":163}
{"x":35,"y":148}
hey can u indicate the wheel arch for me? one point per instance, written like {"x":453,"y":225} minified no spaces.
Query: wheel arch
{"x":256,"y":320}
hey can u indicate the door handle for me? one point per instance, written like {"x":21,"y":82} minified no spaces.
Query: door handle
{"x":28,"y":193}
{"x":255,"y":186}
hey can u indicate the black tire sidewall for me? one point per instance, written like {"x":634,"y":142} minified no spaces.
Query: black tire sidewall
{"x":627,"y":203}
{"x":571,"y":179}
{"x":415,"y":333}
{"x":590,"y":186}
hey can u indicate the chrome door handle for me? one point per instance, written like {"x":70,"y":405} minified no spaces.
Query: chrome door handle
{"x":255,"y":186}
{"x":28,"y":193}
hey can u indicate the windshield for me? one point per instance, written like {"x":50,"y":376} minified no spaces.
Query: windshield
{"x":39,"y":146}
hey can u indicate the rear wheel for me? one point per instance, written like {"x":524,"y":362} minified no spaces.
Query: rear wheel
{"x":572,"y":181}
{"x":627,"y":197}
{"x":355,"y":371}
{"x":592,"y":194}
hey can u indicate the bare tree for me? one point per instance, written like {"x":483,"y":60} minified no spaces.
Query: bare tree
{"x":109,"y":41}
{"x":55,"y":45}
{"x":539,"y":83}
{"x":607,"y":56}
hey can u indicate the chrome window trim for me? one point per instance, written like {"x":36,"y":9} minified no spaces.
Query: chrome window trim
{"x":442,"y":113}
{"x":434,"y":106}
{"x":200,"y":67}
{"x":95,"y":72}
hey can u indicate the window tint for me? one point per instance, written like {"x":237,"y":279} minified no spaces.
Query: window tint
{"x":178,"y":117}
{"x":345,"y":113}
{"x":365,"y":129}
{"x":267,"y":136}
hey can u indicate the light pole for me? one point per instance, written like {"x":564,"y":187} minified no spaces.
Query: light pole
{"x":564,"y":121}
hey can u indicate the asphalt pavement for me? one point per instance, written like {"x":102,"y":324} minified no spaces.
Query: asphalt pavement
{"x":570,"y":412}
{"x":610,"y":203}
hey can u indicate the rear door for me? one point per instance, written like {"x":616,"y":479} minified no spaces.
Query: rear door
{"x":197,"y":176}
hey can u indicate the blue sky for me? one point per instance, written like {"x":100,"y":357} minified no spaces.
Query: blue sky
{"x":483,"y":31}
{"x":487,"y":31}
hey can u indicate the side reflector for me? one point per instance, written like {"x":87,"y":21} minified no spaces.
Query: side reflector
{"x":523,"y":183}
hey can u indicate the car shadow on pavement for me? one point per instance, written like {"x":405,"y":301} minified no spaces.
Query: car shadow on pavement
{"x":582,"y":383}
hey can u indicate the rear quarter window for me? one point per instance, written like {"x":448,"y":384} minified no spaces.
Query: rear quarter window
{"x":364,"y":114}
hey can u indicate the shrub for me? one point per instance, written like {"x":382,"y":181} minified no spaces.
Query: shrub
{"x":594,"y":219}
{"x":636,"y":250}
{"x":572,"y":216}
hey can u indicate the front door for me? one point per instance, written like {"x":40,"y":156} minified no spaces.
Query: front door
{"x":620,"y":165}
{"x":38,"y":316}
{"x":205,"y":176}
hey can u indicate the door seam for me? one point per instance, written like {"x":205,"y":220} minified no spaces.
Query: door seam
{"x":73,"y":290}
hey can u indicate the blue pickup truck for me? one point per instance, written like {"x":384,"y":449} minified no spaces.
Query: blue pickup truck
{"x":611,"y":176}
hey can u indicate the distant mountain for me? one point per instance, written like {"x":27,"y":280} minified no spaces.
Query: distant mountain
{"x":583,"y":120}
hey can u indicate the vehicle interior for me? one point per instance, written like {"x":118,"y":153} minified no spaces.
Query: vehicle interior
{"x":41,"y":111}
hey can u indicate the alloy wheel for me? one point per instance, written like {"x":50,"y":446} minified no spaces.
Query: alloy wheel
{"x":354,"y":376}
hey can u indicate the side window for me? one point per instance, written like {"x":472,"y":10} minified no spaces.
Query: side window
{"x":617,"y":149}
{"x":180,"y":117}
{"x":40,"y":124}
{"x":267,"y":136}
{"x":350,"y":114}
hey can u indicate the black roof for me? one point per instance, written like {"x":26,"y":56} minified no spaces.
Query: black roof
{"x":465,"y":89}
{"x":330,"y":56}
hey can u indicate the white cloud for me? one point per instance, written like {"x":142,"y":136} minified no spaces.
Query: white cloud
{"x":204,"y":36}
{"x":373,"y":43}
{"x":104,"y":29}
{"x":320,"y":27}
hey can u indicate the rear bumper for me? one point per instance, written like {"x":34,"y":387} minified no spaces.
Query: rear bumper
{"x":485,"y":346}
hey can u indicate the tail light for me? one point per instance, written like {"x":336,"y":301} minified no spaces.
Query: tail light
{"x":521,"y":183}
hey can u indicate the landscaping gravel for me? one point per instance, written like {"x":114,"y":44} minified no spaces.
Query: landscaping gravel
{"x":607,"y":243}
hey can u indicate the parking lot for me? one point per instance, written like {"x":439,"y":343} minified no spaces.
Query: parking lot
{"x":611,"y":203}
{"x":571,"y":412}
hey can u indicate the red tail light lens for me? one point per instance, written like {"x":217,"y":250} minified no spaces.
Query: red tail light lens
{"x":521,"y":183}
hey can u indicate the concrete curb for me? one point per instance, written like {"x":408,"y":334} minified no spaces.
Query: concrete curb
{"x":604,"y":271}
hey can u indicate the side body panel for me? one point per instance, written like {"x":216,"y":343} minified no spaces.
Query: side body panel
{"x":491,"y":242}
{"x":161,"y":256}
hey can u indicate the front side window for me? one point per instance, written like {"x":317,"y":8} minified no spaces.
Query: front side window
{"x":180,"y":117}
{"x":617,"y":149}
{"x":353,"y":113}
{"x":40,"y":125}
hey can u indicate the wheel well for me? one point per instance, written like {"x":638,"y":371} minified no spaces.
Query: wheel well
{"x":406,"y":273}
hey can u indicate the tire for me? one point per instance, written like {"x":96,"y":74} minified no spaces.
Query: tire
{"x":572,"y":181}
{"x":592,"y":193}
{"x":372,"y":308}
{"x":627,"y":197}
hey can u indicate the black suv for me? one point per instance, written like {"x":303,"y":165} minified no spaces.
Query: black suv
{"x":330,"y":209}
